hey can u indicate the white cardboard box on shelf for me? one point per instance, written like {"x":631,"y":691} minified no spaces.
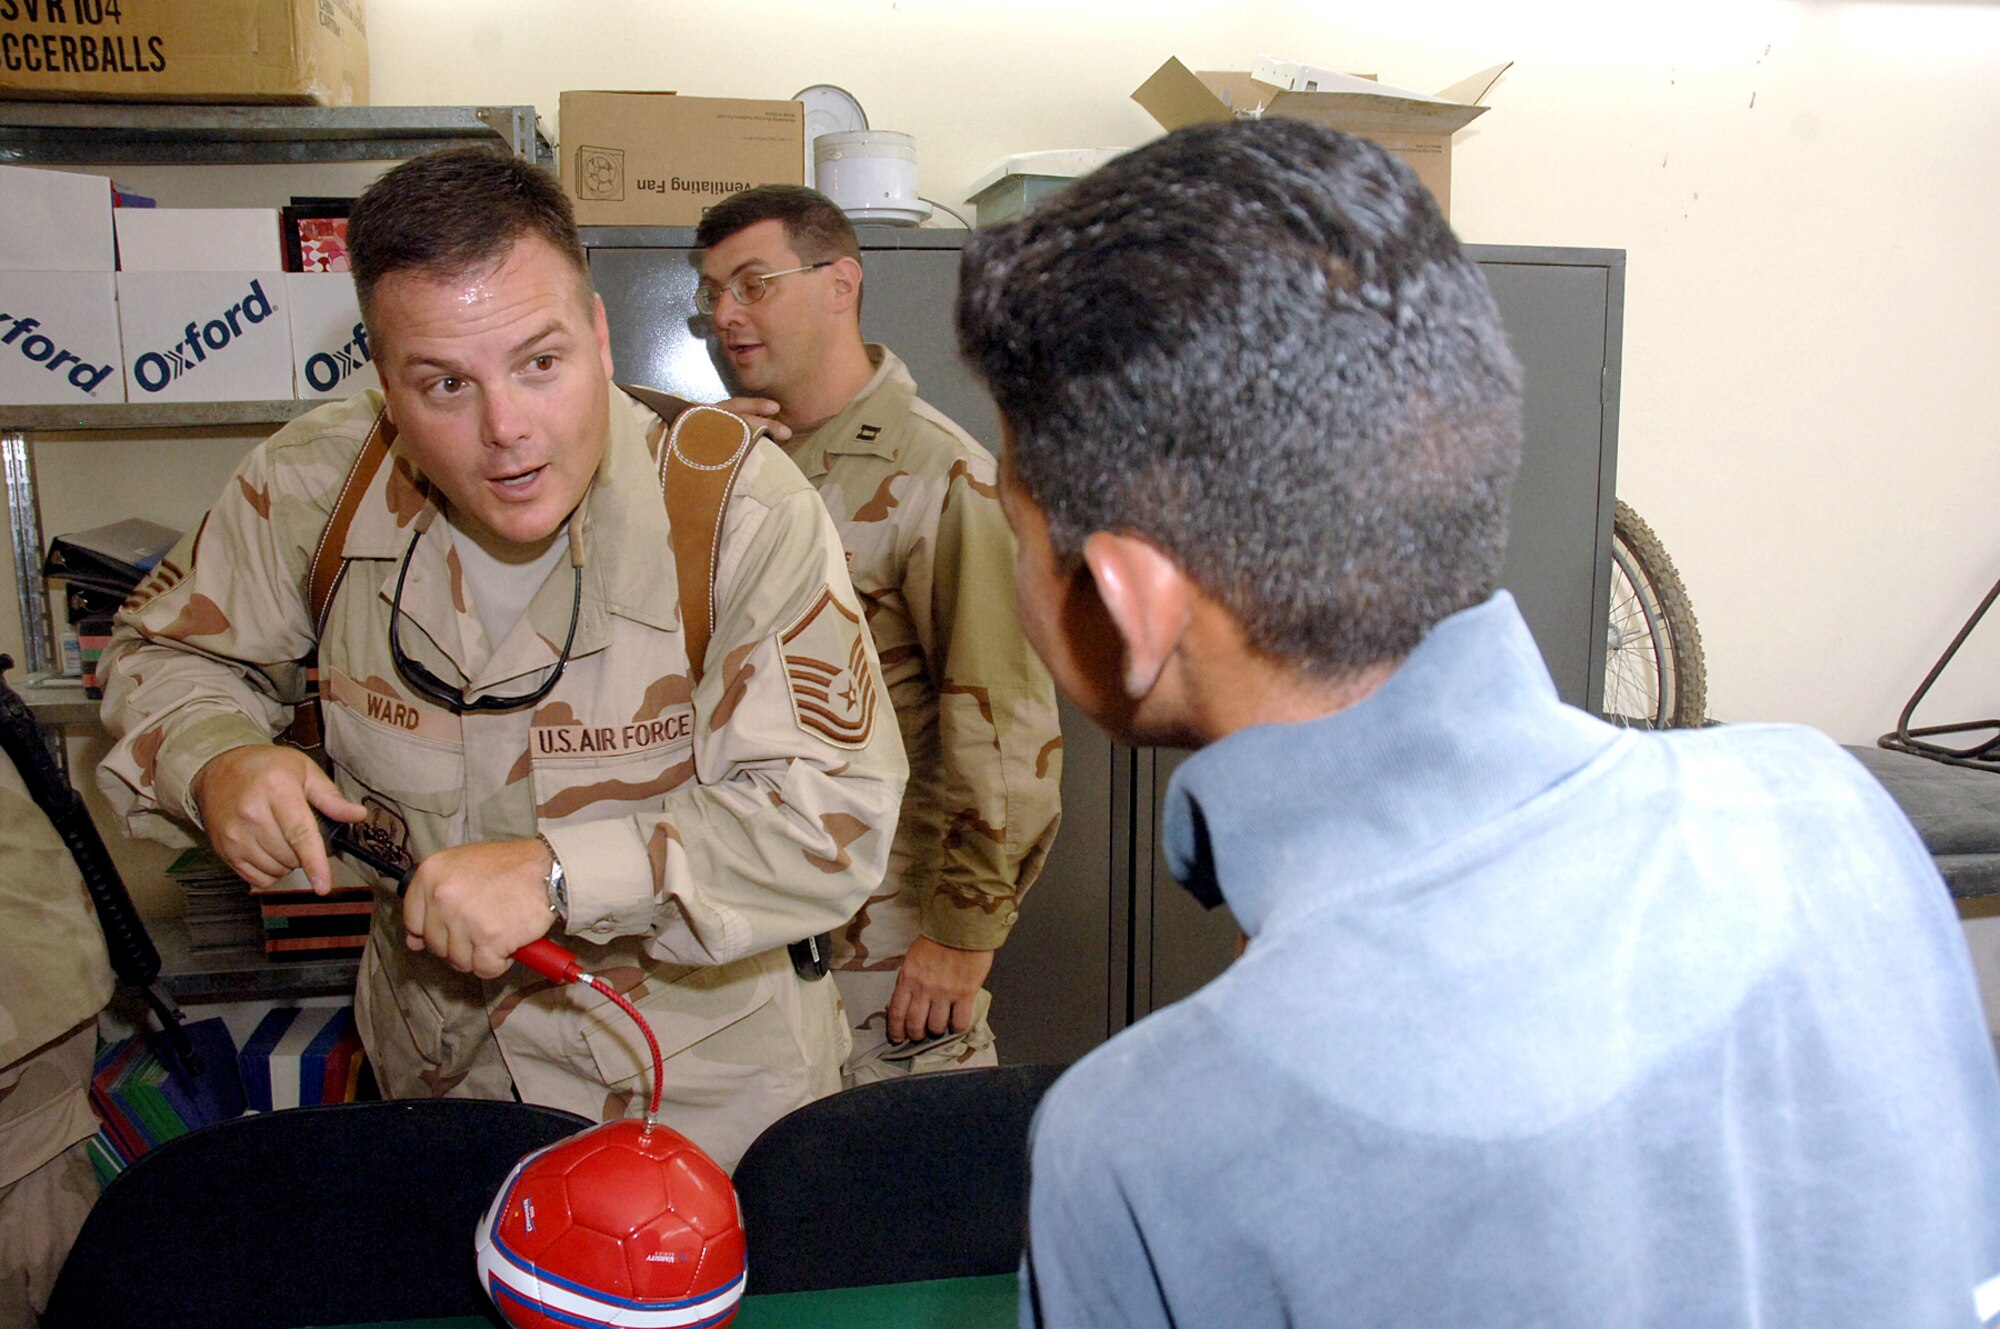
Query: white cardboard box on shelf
{"x":1416,"y":127}
{"x":205,"y":336}
{"x":330,"y":355}
{"x":59,"y":339}
{"x":54,"y":221}
{"x":198,"y":240}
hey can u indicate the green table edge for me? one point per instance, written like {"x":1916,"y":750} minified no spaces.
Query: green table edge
{"x":987,"y":1302}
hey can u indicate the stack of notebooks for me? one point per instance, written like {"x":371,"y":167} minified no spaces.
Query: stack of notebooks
{"x":91,"y":573}
{"x":301,"y":1056}
{"x":220,"y":914}
{"x":226,"y":913}
{"x":299,"y":925}
{"x":144,"y":1096}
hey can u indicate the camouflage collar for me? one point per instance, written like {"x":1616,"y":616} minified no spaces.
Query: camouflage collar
{"x":398,"y":496}
{"x":864,"y":426}
{"x":433,"y":602}
{"x":623,"y":527}
{"x":623,"y":498}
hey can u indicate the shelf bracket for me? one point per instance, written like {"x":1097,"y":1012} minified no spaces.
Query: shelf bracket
{"x":24,"y":514}
{"x":515,"y":125}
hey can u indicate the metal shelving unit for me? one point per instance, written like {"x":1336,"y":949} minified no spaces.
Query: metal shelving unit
{"x":72,"y":134}
{"x":112,"y":417}
{"x":80,"y":133}
{"x":84,"y":133}
{"x":243,"y":973}
{"x":17,"y":423}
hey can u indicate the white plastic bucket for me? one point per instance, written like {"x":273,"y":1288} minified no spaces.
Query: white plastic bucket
{"x":867,"y":169}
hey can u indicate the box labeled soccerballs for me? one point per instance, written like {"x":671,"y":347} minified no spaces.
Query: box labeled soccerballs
{"x":330,"y":356}
{"x":206,"y":336}
{"x":286,"y":51}
{"x":59,"y":339}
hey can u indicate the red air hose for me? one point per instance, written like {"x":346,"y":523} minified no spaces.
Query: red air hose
{"x":554,"y":963}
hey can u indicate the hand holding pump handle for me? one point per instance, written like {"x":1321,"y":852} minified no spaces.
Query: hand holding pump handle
{"x":542,"y":1247}
{"x":541,"y":955}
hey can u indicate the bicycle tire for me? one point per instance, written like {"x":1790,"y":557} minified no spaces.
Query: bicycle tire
{"x":1654,"y":673}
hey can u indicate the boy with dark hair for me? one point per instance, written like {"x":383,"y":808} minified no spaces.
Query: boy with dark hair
{"x":539,"y":687}
{"x":1540,"y":1021}
{"x":913,"y":497}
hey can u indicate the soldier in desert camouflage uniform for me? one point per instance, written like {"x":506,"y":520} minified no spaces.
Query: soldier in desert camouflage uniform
{"x":915,"y":500}
{"x":54,"y":979}
{"x":699,"y":813}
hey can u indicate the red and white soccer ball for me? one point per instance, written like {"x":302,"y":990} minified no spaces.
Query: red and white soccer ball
{"x":617,"y":1225}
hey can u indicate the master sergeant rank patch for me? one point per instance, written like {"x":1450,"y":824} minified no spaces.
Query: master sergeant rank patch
{"x":833,"y":689}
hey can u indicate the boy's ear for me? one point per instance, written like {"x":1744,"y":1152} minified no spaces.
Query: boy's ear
{"x":1149,"y":599}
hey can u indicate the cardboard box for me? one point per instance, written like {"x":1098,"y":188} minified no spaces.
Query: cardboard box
{"x":285,"y":51}
{"x":54,"y":221}
{"x":59,"y":339}
{"x":1415,"y":127}
{"x":330,"y":356}
{"x":658,"y":159}
{"x":205,"y":336}
{"x":198,"y":240}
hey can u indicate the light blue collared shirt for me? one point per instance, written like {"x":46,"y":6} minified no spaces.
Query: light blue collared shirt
{"x":1542,"y":1023}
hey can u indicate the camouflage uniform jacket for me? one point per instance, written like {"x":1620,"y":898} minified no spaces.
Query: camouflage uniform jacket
{"x":702,"y":827}
{"x":915,"y":499}
{"x":53,"y":977}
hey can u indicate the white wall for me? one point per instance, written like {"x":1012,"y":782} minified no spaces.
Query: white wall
{"x":1803,"y":189}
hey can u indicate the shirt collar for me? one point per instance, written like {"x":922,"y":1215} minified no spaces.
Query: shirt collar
{"x":1466,"y":728}
{"x":623,"y":523}
{"x":861,"y":427}
{"x":621,"y":511}
{"x":397,"y":496}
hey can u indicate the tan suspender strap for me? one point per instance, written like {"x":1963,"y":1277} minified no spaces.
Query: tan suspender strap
{"x":327,"y":564}
{"x":704,"y":449}
{"x":699,"y":460}
{"x":323,"y":577}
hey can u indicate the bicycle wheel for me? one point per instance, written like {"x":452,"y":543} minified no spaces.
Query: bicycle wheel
{"x":1654,"y":677}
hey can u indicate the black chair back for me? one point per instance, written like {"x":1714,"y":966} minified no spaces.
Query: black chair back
{"x":343,"y":1214}
{"x":893,"y":1182}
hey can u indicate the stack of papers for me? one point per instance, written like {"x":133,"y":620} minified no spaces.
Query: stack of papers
{"x":220,"y":914}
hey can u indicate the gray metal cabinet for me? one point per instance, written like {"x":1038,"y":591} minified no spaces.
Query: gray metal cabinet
{"x":1106,"y":936}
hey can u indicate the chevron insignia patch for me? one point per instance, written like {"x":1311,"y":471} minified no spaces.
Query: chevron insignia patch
{"x":833,"y":688}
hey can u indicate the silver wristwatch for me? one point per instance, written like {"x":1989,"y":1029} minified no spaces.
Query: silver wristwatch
{"x":557,"y":883}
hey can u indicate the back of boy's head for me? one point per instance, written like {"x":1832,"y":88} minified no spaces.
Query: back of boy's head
{"x":1259,"y":346}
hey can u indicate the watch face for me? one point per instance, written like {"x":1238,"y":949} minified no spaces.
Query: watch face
{"x":556,"y":881}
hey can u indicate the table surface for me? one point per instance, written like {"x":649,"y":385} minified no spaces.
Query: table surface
{"x":950,"y":1303}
